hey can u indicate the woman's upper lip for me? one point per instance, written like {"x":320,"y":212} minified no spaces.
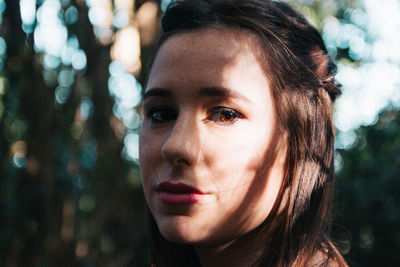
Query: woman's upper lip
{"x":179,"y":188}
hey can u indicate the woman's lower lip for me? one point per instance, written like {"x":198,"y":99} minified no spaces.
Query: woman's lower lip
{"x":178,"y":198}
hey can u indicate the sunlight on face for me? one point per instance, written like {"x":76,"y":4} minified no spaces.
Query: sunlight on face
{"x":211,"y":154}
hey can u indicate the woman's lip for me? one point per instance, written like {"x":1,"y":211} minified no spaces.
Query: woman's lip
{"x":178,"y":194}
{"x":178,"y":198}
{"x":178,"y":188}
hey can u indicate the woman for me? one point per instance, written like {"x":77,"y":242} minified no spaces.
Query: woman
{"x":236,"y":146}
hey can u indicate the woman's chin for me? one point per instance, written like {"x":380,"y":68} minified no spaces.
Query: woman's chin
{"x":178,"y":235}
{"x":181,"y":232}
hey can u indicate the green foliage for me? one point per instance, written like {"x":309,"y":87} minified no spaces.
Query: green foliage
{"x":368,"y":195}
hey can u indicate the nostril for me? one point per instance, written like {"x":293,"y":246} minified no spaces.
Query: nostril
{"x":182,"y":162}
{"x":179,"y":155}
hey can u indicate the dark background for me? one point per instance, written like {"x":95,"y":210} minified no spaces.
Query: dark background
{"x":70,"y":193}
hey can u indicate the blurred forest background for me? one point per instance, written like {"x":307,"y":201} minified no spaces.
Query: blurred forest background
{"x":70,"y":78}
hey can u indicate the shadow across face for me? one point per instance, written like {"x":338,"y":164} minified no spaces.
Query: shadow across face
{"x":210,"y":134}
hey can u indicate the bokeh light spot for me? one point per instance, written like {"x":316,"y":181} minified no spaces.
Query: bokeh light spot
{"x":103,"y":34}
{"x":66,"y":78}
{"x":121,"y":19}
{"x":79,"y":59}
{"x":3,"y":85}
{"x":96,"y":15}
{"x":116,"y":69}
{"x":164,"y":4}
{"x":65,"y":3}
{"x":51,"y":62}
{"x":19,"y":147}
{"x":28,"y":11}
{"x":62,"y":94}
{"x":18,"y":151}
{"x":126,"y":49}
{"x":71,"y":15}
{"x":2,"y":6}
{"x":131,"y":149}
{"x":19,"y":161}
{"x":82,"y":249}
{"x":3,"y":47}
{"x":50,"y":77}
{"x":345,"y":140}
{"x":86,"y":108}
{"x":50,"y":34}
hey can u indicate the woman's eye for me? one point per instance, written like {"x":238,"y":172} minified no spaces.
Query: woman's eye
{"x":224,"y":115}
{"x":161,"y":114}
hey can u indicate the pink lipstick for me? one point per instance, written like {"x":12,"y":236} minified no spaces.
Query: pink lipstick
{"x":178,"y":194}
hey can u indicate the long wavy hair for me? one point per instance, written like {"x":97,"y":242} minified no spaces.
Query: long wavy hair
{"x":301,"y":76}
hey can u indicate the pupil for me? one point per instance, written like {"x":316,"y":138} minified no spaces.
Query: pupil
{"x":163,"y":115}
{"x":228,"y":116}
{"x":158,"y":116}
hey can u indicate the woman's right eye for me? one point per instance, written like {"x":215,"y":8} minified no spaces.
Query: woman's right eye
{"x":161,"y":114}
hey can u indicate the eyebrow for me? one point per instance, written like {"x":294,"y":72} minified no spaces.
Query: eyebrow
{"x":222,"y":92}
{"x":159,"y":92}
{"x":213,"y":91}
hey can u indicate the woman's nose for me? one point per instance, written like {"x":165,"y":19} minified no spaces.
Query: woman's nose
{"x":182,"y":145}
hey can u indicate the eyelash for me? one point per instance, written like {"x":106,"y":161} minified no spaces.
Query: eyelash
{"x":161,"y":114}
{"x":220,"y":115}
{"x":231,"y":115}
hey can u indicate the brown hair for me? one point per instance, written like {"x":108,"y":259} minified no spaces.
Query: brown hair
{"x":301,"y":76}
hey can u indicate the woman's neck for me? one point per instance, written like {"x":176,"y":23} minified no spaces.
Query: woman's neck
{"x":247,"y":249}
{"x":243,"y":251}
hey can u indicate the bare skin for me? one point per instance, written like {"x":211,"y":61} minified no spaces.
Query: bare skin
{"x":210,"y":124}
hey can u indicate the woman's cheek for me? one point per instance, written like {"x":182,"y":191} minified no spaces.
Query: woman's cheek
{"x":239,"y":154}
{"x":147,"y":154}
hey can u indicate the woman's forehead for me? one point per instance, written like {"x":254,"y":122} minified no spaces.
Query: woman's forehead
{"x":219,"y":43}
{"x":211,"y":51}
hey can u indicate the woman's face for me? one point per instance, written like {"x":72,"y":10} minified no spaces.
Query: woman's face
{"x":211,"y":154}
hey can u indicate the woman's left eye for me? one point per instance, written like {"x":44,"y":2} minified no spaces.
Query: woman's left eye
{"x":223,"y":115}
